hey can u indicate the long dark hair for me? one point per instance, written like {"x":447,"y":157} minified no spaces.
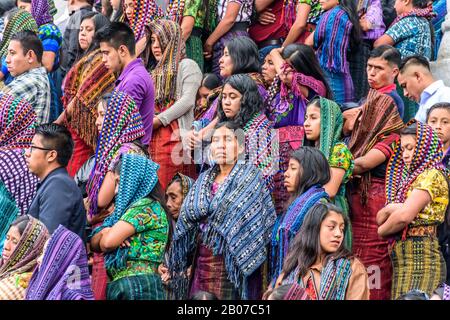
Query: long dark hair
{"x":21,"y":223}
{"x":244,"y":53}
{"x":349,"y":6}
{"x":303,"y":59}
{"x":315,"y":169}
{"x":305,"y":248}
{"x":251,"y":101}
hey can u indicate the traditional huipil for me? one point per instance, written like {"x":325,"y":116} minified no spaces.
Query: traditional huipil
{"x":331,"y":40}
{"x":15,"y":273}
{"x":288,"y":225}
{"x":133,"y":270}
{"x":121,"y":127}
{"x":228,"y":227}
{"x":376,"y":130}
{"x":336,"y":152}
{"x":63,"y":273}
{"x":286,"y":106}
{"x":176,"y":80}
{"x":17,"y":123}
{"x":85,"y":84}
{"x":416,"y":258}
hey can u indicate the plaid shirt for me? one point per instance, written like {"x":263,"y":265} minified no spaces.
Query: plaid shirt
{"x":34,"y":87}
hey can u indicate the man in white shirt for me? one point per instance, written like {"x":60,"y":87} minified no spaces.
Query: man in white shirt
{"x":419,"y":85}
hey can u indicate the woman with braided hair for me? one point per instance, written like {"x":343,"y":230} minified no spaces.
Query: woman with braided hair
{"x":417,"y":196}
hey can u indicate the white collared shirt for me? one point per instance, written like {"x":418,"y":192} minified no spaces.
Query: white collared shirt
{"x":435,"y":93}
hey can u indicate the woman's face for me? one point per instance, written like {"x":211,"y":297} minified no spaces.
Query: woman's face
{"x":332,"y":232}
{"x":224,"y":146}
{"x":328,"y":4}
{"x":101,"y":111}
{"x":202,"y":95}
{"x":87,"y":31}
{"x":129,"y":9}
{"x":439,"y":120}
{"x":23,"y":5}
{"x":11,"y":241}
{"x":268,"y":69}
{"x":291,"y":176}
{"x":226,"y":64}
{"x":231,"y":101}
{"x":156,"y":47}
{"x":408,"y":144}
{"x":174,"y":198}
{"x":312,"y":123}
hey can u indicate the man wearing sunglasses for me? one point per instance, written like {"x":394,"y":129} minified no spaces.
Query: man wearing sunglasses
{"x":58,"y":199}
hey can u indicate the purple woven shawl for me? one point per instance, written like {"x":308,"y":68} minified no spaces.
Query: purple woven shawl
{"x":40,"y":10}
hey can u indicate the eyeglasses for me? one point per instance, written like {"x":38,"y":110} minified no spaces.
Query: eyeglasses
{"x":40,"y":148}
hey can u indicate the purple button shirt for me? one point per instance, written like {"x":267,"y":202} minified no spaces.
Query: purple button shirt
{"x":136,"y":81}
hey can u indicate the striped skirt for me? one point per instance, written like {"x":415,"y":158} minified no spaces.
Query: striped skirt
{"x":418,"y":264}
{"x":139,"y":287}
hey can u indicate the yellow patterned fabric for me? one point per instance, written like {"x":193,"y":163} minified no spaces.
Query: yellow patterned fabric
{"x":434,"y":182}
{"x":14,"y":287}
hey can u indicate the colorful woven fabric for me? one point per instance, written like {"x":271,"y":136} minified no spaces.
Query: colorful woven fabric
{"x":334,"y":279}
{"x":261,"y":147}
{"x":85,"y":84}
{"x":138,"y":177}
{"x":18,"y":179}
{"x":145,"y":12}
{"x":22,"y":261}
{"x":379,"y":119}
{"x":140,"y":287}
{"x":165,"y":73}
{"x":240,"y":219}
{"x":40,"y":10}
{"x":19,"y":21}
{"x":296,"y":292}
{"x":186,"y":183}
{"x":8,"y":210}
{"x":288,"y":225}
{"x":175,"y":10}
{"x":446,"y":295}
{"x":122,"y":124}
{"x":63,"y":274}
{"x":427,"y":155}
{"x":17,"y":122}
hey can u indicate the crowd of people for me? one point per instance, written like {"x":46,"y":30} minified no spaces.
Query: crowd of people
{"x":226,"y":149}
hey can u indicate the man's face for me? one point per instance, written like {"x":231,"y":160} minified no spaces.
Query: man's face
{"x":380,"y":73}
{"x":111,"y":57}
{"x":410,"y":81}
{"x":16,"y":61}
{"x":38,"y":156}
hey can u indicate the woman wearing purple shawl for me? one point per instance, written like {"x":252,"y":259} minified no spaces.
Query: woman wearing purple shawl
{"x":63,"y":273}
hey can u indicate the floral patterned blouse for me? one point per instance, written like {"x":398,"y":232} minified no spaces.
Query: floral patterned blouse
{"x":342,"y":158}
{"x":148,"y":244}
{"x":434,"y":182}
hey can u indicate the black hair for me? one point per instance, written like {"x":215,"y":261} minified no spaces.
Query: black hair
{"x":117,"y":34}
{"x":29,"y":42}
{"x":117,"y":16}
{"x":244,"y":54}
{"x":303,"y":59}
{"x":409,"y":130}
{"x":415,"y":60}
{"x":349,"y":6}
{"x":233,"y":126}
{"x":203,"y":295}
{"x":6,"y":5}
{"x":251,"y":101}
{"x":211,"y":81}
{"x":305,"y":247}
{"x":106,"y":4}
{"x":388,"y":53}
{"x":439,"y":105}
{"x":314,"y":169}
{"x":100,"y":22}
{"x":21,"y":223}
{"x":58,"y":138}
{"x":414,"y":294}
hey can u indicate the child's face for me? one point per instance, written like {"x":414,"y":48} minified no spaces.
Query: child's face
{"x":439,"y":120}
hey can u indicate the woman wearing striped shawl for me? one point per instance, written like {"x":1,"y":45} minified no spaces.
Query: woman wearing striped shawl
{"x":24,"y":244}
{"x":225,"y":221}
{"x":62,"y":272}
{"x":417,"y":196}
{"x":319,"y":262}
{"x":372,"y":141}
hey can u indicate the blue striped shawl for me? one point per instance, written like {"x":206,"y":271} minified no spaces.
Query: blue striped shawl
{"x":240,"y":217}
